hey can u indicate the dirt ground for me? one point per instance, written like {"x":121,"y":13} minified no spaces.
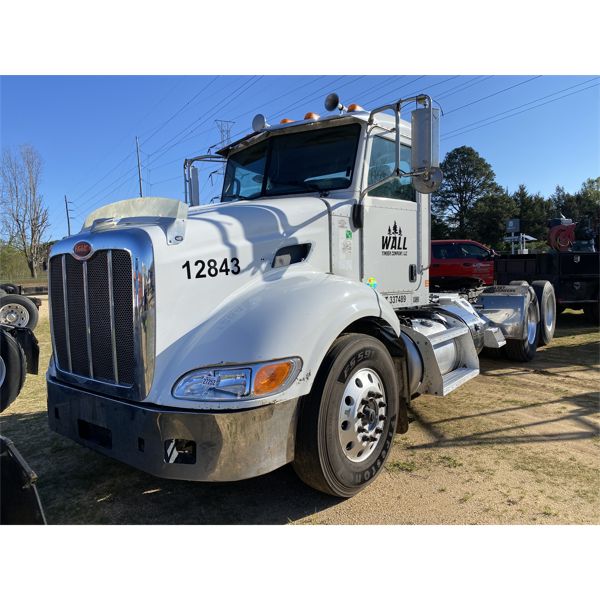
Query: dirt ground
{"x":518,"y":444}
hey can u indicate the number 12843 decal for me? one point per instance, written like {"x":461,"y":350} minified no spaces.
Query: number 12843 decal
{"x":211,"y":268}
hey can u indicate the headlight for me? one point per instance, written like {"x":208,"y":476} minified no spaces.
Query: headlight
{"x":240,"y":382}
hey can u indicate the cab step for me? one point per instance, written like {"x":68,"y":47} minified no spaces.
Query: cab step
{"x":456,"y":378}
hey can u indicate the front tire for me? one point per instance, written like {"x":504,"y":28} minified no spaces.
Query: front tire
{"x":347,"y":423}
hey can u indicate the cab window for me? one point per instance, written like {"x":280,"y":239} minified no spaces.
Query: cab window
{"x":472,"y":251}
{"x":444,"y":251}
{"x":244,"y":173}
{"x":381,"y":164}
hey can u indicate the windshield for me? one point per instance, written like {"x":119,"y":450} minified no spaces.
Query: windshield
{"x":320,"y":160}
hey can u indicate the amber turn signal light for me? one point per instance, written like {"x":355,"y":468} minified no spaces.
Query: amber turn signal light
{"x":270,"y":378}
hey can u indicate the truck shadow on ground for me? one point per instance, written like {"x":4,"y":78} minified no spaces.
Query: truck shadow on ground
{"x":585,"y":359}
{"x":79,"y":486}
{"x":570,"y":323}
{"x":583,"y":405}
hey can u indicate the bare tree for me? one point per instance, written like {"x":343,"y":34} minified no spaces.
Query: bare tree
{"x":23,"y":215}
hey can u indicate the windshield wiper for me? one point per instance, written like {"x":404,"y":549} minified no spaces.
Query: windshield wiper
{"x":238,"y":197}
{"x":302,"y":185}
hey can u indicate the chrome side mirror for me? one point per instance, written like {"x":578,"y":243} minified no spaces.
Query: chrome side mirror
{"x":425,"y":161}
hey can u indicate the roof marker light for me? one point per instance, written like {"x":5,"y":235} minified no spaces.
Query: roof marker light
{"x":355,"y":108}
{"x":285,"y":121}
{"x":311,"y":115}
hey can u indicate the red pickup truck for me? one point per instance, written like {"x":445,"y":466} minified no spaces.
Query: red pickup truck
{"x":457,"y":264}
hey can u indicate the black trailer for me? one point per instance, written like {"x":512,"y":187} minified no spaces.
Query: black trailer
{"x":574,"y":275}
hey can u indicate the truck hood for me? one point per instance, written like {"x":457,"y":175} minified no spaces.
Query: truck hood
{"x":226,"y":249}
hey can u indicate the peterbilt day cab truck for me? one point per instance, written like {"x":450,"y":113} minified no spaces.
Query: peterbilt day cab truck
{"x":289,"y":323}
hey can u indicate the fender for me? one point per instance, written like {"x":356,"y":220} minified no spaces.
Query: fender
{"x":296,"y":312}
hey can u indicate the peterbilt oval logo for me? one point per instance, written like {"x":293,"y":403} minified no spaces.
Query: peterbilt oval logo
{"x":82,"y":250}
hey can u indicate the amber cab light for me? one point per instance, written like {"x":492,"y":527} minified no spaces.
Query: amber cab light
{"x":285,"y":121}
{"x":270,"y":378}
{"x":311,"y":115}
{"x":355,"y":107}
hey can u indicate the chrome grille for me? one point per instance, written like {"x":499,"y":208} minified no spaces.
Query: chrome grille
{"x":93,"y":316}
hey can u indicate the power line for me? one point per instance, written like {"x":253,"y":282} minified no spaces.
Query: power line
{"x":178,"y":112}
{"x":492,"y":95}
{"x":461,"y":87}
{"x":104,"y":176}
{"x":296,"y":103}
{"x":92,"y":198}
{"x":427,"y":88}
{"x":162,"y":99}
{"x":520,"y":106}
{"x":203,"y":119}
{"x":90,"y":201}
{"x":151,"y":135}
{"x":520,"y":112}
{"x":311,"y":95}
{"x":396,"y":89}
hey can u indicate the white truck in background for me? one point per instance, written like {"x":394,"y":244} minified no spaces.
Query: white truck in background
{"x":289,"y":323}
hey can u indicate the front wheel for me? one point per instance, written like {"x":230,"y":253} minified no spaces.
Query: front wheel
{"x":347,"y":423}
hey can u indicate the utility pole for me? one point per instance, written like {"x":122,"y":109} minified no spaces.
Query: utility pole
{"x":137,"y":148}
{"x":68,"y":215}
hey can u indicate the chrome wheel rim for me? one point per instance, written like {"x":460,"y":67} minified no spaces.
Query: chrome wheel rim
{"x":362,"y":415}
{"x":14,"y":314}
{"x":549,"y":310}
{"x":531,"y":325}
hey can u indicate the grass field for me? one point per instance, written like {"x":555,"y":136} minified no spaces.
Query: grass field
{"x":518,"y":444}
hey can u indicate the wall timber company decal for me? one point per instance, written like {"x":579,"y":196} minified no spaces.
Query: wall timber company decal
{"x":394,"y":243}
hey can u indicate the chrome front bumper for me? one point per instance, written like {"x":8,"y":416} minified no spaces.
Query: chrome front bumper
{"x":177,"y":444}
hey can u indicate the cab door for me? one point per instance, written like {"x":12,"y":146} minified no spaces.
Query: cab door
{"x":390,"y":233}
{"x":476,"y":261}
{"x":444,"y":261}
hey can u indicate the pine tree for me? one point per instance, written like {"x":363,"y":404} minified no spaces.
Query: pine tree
{"x":467,"y":178}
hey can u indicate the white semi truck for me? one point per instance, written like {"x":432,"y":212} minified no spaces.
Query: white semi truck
{"x":291,"y":322}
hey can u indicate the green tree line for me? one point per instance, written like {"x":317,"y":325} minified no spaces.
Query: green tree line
{"x":470,"y":203}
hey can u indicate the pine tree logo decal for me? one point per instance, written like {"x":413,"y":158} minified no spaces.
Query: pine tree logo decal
{"x":394,"y":243}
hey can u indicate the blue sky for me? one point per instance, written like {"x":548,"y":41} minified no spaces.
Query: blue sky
{"x":85,"y":127}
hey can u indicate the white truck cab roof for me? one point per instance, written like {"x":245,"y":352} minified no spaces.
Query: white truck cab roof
{"x":381,"y":120}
